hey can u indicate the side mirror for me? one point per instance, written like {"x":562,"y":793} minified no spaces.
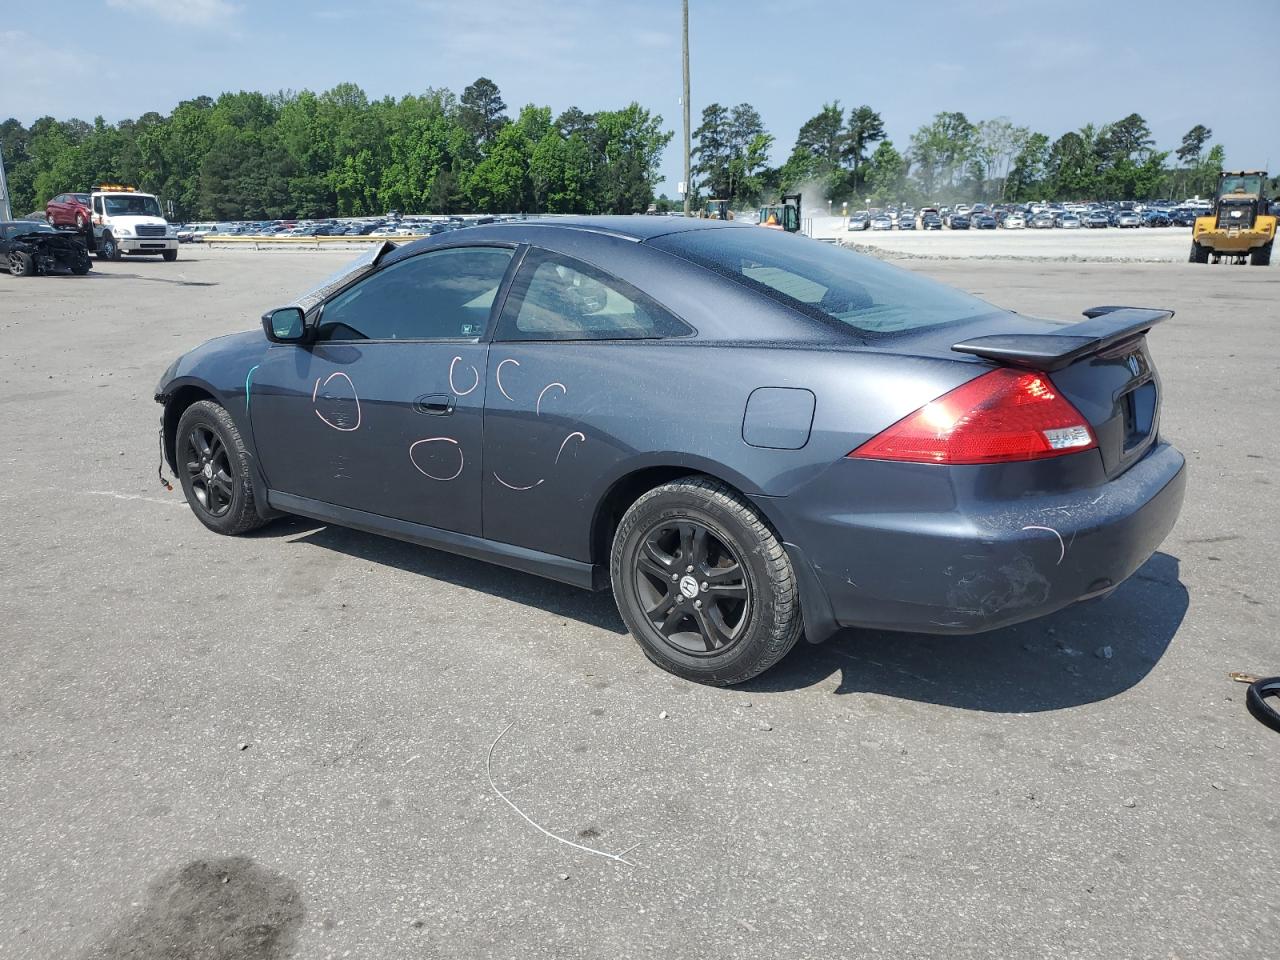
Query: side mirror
{"x":284,"y":325}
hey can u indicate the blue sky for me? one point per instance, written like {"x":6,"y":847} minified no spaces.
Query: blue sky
{"x":1050,"y":65}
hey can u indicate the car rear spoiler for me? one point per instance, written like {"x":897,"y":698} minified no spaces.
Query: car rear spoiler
{"x":1053,"y":351}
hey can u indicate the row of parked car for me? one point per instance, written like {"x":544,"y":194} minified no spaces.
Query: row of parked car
{"x":1033,"y":216}
{"x":389,"y":226}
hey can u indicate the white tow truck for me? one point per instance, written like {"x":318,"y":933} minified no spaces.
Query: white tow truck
{"x":126,"y":221}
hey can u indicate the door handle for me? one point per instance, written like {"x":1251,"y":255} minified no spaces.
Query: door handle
{"x":434,"y":404}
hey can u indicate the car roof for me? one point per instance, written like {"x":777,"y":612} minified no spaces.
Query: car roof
{"x":637,"y":227}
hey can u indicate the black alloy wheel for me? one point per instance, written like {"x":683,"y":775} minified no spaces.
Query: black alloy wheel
{"x":209,"y":468}
{"x":693,"y":587}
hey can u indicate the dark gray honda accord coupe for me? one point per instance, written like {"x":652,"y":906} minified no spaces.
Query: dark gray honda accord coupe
{"x":749,"y":436}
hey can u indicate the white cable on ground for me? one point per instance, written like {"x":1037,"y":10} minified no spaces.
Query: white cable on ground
{"x":488,"y":769}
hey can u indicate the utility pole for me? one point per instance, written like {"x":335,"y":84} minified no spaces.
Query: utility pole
{"x":688,"y":186}
{"x":6,"y":213}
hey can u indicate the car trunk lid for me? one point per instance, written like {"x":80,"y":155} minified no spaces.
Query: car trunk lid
{"x":1102,"y":365}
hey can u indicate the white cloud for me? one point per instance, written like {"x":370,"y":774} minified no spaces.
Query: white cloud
{"x":190,"y":13}
{"x":546,"y":33}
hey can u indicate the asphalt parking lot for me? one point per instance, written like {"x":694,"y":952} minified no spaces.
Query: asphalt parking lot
{"x":278,"y":743}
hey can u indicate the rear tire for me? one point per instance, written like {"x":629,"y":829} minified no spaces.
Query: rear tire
{"x":212,"y":464}
{"x":170,"y":255}
{"x":21,"y":264}
{"x":703,"y":583}
{"x":1261,"y":256}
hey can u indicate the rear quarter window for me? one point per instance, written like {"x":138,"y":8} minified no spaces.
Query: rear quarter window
{"x":824,"y":281}
{"x":555,"y":297}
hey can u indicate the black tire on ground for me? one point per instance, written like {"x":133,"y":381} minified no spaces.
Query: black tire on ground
{"x":1261,"y":256}
{"x":703,"y":583}
{"x":109,"y":249}
{"x":21,"y":264}
{"x":1199,"y":253}
{"x":213,"y":467}
{"x":80,"y":266}
{"x":170,"y":255}
{"x":1256,"y":701}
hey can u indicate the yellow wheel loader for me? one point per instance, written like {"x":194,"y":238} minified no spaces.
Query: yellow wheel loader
{"x":1242,"y":225}
{"x":716,"y":210}
{"x":784,"y":215}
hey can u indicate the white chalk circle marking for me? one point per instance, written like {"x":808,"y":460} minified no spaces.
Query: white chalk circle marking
{"x":563,"y":443}
{"x":461,"y":459}
{"x":537,"y":407}
{"x":462,"y":393}
{"x":355,"y":396}
{"x":512,"y":486}
{"x":499,"y":378}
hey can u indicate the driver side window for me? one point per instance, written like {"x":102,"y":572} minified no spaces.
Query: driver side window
{"x":441,"y":295}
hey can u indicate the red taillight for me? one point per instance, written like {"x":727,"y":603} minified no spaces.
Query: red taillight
{"x":1001,"y":416}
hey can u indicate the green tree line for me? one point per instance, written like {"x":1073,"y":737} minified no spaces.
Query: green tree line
{"x":845,"y":156}
{"x":252,"y":156}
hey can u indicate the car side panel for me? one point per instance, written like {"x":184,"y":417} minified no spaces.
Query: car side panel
{"x":564,"y":422}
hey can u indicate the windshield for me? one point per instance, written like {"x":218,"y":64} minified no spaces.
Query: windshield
{"x":131,"y":205}
{"x":825,"y":281}
{"x":1241,"y":184}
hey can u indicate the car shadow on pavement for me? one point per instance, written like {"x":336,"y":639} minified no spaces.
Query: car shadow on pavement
{"x":1085,"y":653}
{"x":1088,"y":652}
{"x":594,"y":609}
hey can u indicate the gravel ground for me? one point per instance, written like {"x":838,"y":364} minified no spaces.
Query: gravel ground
{"x":276,"y":745}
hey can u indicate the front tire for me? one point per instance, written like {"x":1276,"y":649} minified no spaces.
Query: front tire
{"x":1261,"y":256}
{"x":81,"y":265}
{"x":212,"y":464}
{"x":109,"y":248}
{"x":21,"y":264}
{"x":169,"y":255}
{"x":703,"y":583}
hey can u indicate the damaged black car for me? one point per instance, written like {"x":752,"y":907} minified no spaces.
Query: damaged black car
{"x":28,"y":248}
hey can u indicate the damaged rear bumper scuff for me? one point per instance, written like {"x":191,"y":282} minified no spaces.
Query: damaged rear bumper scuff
{"x":971,"y":559}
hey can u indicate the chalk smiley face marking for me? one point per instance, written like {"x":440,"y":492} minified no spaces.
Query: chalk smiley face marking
{"x":576,"y":435}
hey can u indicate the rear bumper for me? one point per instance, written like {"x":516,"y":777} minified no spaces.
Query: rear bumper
{"x":972,"y":557}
